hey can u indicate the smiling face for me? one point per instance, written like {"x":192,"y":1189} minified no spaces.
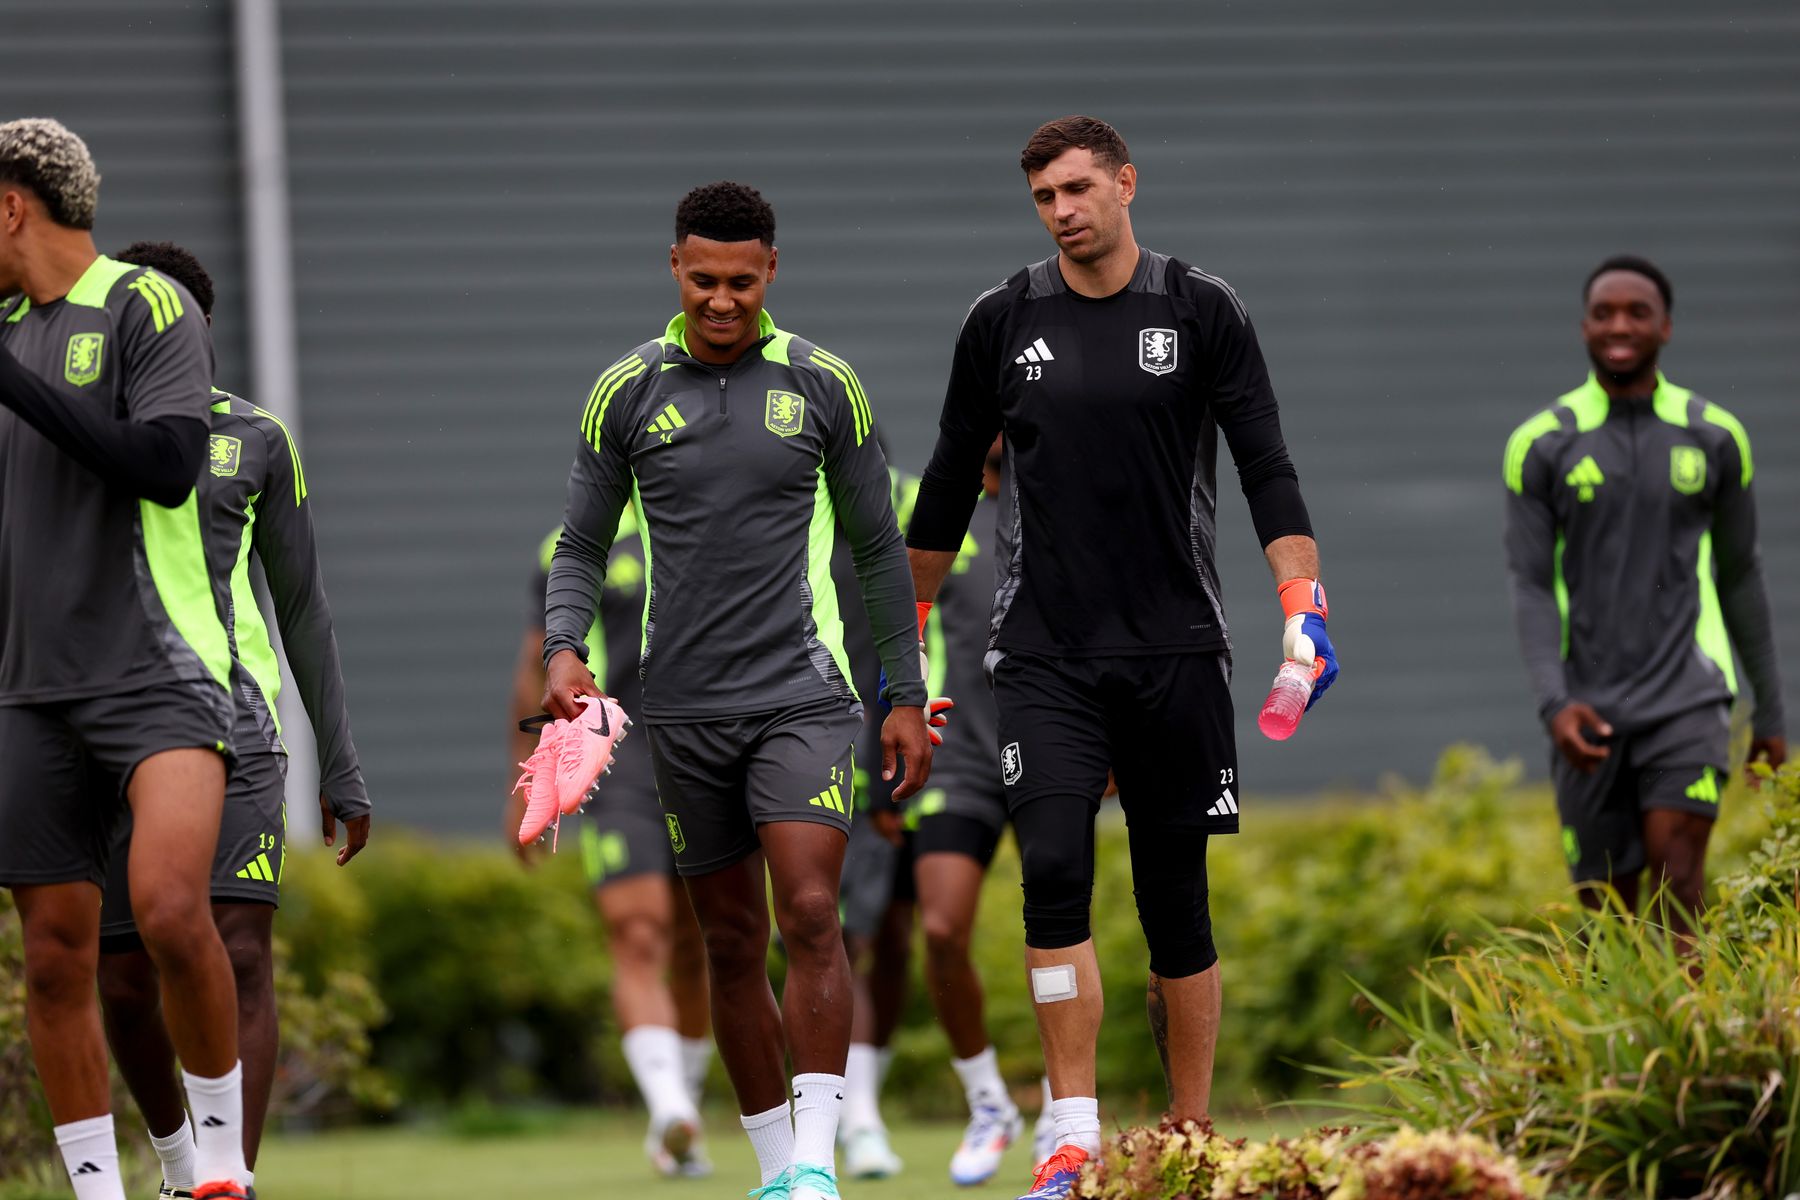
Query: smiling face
{"x":722,"y":288}
{"x":1625,"y":325}
{"x":1084,"y":204}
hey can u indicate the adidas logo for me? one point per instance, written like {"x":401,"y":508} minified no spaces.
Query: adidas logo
{"x":1585,"y":478}
{"x":1705,"y":789}
{"x":259,"y":869}
{"x":87,"y":1168}
{"x":213,"y":1123}
{"x":830,"y":798}
{"x":1224,"y":806}
{"x":1036,"y":352}
{"x":666,"y":424}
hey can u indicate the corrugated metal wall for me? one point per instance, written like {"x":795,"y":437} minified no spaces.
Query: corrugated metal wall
{"x":1407,"y":199}
{"x":149,"y":87}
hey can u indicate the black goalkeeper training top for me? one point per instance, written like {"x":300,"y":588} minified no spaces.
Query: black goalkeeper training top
{"x":1112,"y":409}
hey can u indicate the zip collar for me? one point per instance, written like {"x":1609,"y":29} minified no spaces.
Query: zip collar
{"x":675,"y":349}
{"x":1592,"y":405}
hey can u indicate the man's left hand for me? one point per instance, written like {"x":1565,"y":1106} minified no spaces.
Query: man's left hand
{"x":904,"y":736}
{"x":356,"y":832}
{"x":1303,"y":636}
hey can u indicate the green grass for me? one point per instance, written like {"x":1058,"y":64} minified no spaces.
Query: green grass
{"x":583,"y":1154}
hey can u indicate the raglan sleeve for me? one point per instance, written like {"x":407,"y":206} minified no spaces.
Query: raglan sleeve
{"x":967,"y":426}
{"x":857,"y":479}
{"x":1743,"y":592}
{"x":286,"y":544}
{"x":1236,"y":381}
{"x":1530,"y":538}
{"x":599,"y":488}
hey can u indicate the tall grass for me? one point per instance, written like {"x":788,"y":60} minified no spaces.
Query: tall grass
{"x":1609,"y":1053}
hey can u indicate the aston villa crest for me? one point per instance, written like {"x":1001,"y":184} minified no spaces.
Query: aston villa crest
{"x":222,"y":454}
{"x":784,"y":412}
{"x":1156,"y":350}
{"x":1687,"y":469}
{"x":82,"y":366}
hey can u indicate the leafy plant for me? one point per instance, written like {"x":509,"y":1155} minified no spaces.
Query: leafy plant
{"x":1600,"y":1051}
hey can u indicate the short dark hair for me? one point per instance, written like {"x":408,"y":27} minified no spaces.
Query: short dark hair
{"x":1092,"y":134}
{"x":1637,"y":265}
{"x":725,"y":212}
{"x":178,"y":263}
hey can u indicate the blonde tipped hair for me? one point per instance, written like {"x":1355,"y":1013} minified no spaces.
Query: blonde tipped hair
{"x":44,"y":155}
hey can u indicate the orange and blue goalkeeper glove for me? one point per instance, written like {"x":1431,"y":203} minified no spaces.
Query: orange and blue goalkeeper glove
{"x":1303,"y":636}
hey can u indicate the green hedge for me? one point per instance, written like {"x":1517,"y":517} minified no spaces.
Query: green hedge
{"x":496,"y":980}
{"x":495,"y":984}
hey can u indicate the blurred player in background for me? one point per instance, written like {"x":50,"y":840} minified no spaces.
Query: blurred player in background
{"x":253,"y":502}
{"x":742,"y":447}
{"x":1112,"y":371}
{"x":1631,"y":547}
{"x":948,"y":836}
{"x":659,"y":963}
{"x":115,"y":664}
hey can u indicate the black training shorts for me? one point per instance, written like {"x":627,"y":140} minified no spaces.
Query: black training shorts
{"x":1162,"y":724}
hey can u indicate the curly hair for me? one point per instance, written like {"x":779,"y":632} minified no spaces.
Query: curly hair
{"x":1637,"y":265}
{"x":725,"y":212}
{"x":176,"y":262}
{"x":1092,"y":134}
{"x":43,"y":155}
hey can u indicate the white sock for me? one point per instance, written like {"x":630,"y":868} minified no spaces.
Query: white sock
{"x":884,"y":1058}
{"x":1077,"y":1122}
{"x":654,"y":1053}
{"x":696,"y":1057}
{"x":981,"y":1081}
{"x":772,"y":1137}
{"x":218,"y":1108}
{"x":249,"y":1177}
{"x":818,"y":1099}
{"x":862,"y":1088}
{"x":176,"y":1153}
{"x":92,"y":1157}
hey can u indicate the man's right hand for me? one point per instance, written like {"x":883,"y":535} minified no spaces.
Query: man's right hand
{"x":1569,"y":729}
{"x":566,"y":678}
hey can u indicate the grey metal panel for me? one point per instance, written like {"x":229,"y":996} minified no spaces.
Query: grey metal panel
{"x":1407,"y":199}
{"x":149,"y":87}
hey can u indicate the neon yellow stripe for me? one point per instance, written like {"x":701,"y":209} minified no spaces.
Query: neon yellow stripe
{"x":1709,"y":630}
{"x":255,"y":650}
{"x":859,"y":400}
{"x":293,"y":453}
{"x":1715,"y":415}
{"x":624,"y":369}
{"x":176,"y":554}
{"x":166,"y":290}
{"x":157,"y":313}
{"x":674,"y":414}
{"x":1562,"y":595}
{"x":606,"y":400}
{"x":90,"y":291}
{"x":1518,"y":447}
{"x":593,"y":405}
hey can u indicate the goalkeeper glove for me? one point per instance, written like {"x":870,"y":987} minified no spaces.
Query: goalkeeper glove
{"x":1303,"y":636}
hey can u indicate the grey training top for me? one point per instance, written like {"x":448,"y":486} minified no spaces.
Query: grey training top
{"x":254,"y":500}
{"x":101,"y":592}
{"x":740,"y":474}
{"x":1631,"y":546}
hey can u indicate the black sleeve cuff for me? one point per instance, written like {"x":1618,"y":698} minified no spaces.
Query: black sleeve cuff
{"x":1278,"y":510}
{"x":941,"y":515}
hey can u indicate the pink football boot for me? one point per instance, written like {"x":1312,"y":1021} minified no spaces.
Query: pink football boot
{"x":539,"y":784}
{"x":585,"y":751}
